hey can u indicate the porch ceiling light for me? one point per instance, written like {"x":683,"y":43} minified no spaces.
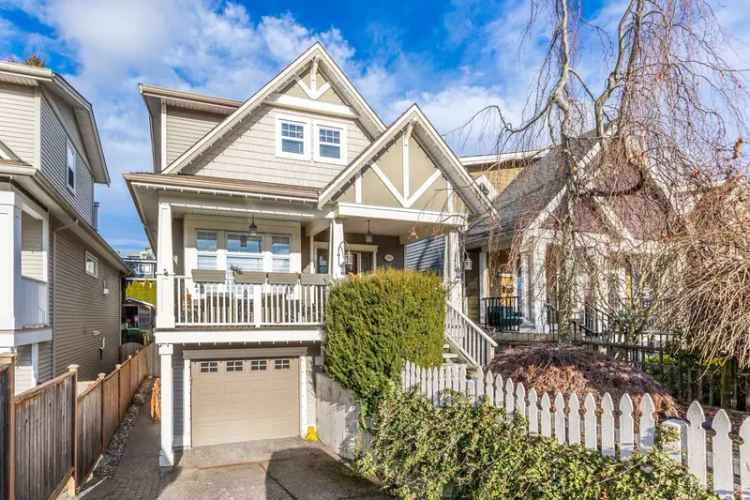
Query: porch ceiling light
{"x":252,"y":228}
{"x":368,"y":236}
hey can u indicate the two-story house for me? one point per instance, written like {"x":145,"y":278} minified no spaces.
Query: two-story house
{"x":253,"y":208}
{"x":59,"y":279}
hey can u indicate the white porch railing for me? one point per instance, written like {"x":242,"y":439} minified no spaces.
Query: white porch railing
{"x":245,"y":304}
{"x":469,"y":339}
{"x":32,"y":303}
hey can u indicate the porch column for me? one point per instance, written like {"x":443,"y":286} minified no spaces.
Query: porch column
{"x":166,"y":456}
{"x":336,"y":250}
{"x":452,"y":275}
{"x":164,"y":269}
{"x":10,"y":257}
{"x":483,"y":284}
{"x":538,"y":287}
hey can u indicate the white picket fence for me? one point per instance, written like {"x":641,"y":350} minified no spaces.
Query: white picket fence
{"x":719,"y":462}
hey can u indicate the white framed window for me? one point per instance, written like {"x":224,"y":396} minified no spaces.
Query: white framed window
{"x":281,"y":364}
{"x":244,"y":252}
{"x":71,"y":159}
{"x":330,"y":142}
{"x":234,"y":366}
{"x":292,"y":136}
{"x":91,"y":265}
{"x":258,"y":365}
{"x":280,"y":254}
{"x":206,"y":243}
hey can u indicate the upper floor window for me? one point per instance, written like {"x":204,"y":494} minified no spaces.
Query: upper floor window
{"x":92,"y":265}
{"x":292,"y":137}
{"x":70,"y":164}
{"x":207,"y":245}
{"x":329,"y":143}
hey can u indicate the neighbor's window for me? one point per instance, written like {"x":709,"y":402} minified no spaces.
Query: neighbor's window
{"x":71,"y":160}
{"x":293,"y":138}
{"x":244,"y":252}
{"x":329,"y":143}
{"x":92,"y":265}
{"x":258,"y":364}
{"x":280,"y":252}
{"x":234,"y":366}
{"x":207,"y":244}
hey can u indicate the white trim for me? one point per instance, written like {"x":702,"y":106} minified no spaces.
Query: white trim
{"x":406,"y":160}
{"x":358,"y":187}
{"x":280,"y":79}
{"x":34,"y":364}
{"x":301,"y":104}
{"x":15,"y":338}
{"x":163,"y":142}
{"x":187,"y":418}
{"x":393,"y":189}
{"x":423,"y":188}
{"x":399,"y":214}
{"x":343,"y":141}
{"x":306,"y":126}
{"x":502,"y":157}
{"x":95,"y":260}
{"x":166,"y":454}
{"x":257,"y":335}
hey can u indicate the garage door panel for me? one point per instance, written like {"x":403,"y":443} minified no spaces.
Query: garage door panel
{"x":232,"y":402}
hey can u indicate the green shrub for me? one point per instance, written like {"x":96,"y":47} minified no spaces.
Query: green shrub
{"x":462,"y":451}
{"x":144,"y":290}
{"x":376,"y":321}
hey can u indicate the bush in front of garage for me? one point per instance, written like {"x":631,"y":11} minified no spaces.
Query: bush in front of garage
{"x":377,"y":321}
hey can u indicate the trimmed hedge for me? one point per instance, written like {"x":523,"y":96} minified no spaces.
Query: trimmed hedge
{"x":460,"y":450}
{"x":377,"y":321}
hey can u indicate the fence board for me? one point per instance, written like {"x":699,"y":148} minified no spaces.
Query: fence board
{"x":6,"y":425}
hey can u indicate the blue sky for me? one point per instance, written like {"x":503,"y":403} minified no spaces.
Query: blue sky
{"x":453,"y":58}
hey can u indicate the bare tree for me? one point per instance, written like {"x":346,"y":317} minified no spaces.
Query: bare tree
{"x":633,"y":147}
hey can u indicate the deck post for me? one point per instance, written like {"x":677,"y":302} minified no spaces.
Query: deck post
{"x":336,"y":250}
{"x":166,"y":456}
{"x":165,"y":269}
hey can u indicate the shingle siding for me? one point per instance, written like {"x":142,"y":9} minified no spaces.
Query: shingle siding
{"x":19,"y":120}
{"x":249,"y":153}
{"x":185,"y":127}
{"x":53,"y":156}
{"x":81,"y":308}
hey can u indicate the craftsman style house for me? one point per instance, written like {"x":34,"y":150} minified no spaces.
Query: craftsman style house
{"x":60,"y":281}
{"x":253,"y":208}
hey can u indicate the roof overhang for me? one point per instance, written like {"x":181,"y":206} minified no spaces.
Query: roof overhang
{"x":366,"y":115}
{"x":532,"y":154}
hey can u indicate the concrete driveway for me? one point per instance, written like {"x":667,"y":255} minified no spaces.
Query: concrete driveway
{"x":275,"y":469}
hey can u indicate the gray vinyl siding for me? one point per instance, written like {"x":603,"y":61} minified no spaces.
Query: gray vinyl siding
{"x":19,"y":120}
{"x":32,"y":257}
{"x":249,"y":153}
{"x":427,"y":254}
{"x":185,"y":127}
{"x":53,"y":156}
{"x":24,"y":371}
{"x":178,"y":365}
{"x":81,"y":307}
{"x":45,"y":362}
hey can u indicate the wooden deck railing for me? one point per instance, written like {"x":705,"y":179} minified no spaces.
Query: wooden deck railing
{"x":295,"y":302}
{"x":469,"y":339}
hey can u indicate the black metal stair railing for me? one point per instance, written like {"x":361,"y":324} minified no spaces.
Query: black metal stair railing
{"x":502,"y":313}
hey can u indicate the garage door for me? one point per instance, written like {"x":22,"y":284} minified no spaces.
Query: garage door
{"x":238,"y":400}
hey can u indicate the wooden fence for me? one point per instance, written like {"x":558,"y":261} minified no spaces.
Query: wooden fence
{"x":54,"y":435}
{"x":721,"y":462}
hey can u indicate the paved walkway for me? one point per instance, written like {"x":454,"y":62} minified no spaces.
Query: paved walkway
{"x":137,"y":475}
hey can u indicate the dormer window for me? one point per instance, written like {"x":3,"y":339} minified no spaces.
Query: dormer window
{"x":70,"y":163}
{"x":292,"y":138}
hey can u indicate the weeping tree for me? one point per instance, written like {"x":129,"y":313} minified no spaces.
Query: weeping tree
{"x":636,"y":146}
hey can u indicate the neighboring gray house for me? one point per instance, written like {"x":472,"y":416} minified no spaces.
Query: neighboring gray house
{"x":60,"y":285}
{"x":253,"y":207}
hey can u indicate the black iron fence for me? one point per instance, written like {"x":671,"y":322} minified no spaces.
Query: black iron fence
{"x":502,"y":313}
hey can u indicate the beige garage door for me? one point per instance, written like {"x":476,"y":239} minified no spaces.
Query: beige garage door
{"x":238,"y":400}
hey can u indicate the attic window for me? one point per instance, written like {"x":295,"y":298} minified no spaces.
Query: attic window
{"x":330,"y":142}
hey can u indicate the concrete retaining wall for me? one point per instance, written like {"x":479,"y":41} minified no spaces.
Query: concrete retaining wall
{"x":338,"y":417}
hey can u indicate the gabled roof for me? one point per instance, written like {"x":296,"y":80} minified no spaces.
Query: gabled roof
{"x":24,"y":74}
{"x":367,"y":116}
{"x":433,"y":142}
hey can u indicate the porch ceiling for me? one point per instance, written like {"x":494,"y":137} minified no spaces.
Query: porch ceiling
{"x":383,"y":227}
